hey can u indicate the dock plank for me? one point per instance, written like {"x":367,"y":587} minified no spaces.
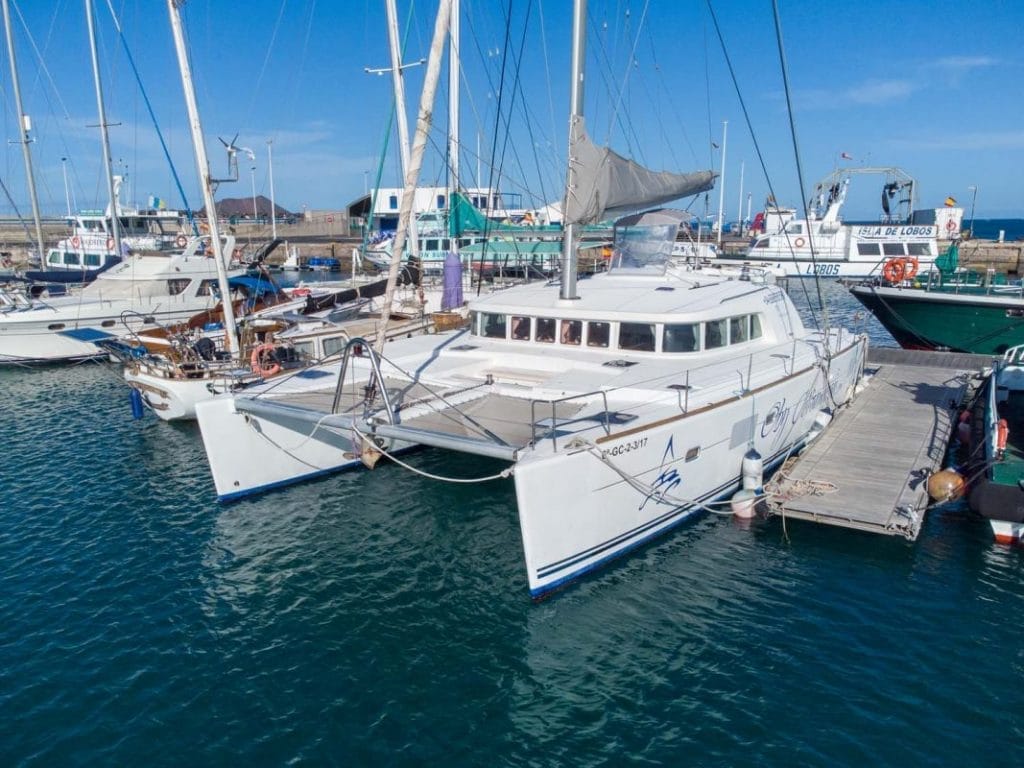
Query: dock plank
{"x":868,"y":470}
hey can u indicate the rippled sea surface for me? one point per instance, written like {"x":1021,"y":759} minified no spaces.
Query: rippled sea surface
{"x":378,"y":618}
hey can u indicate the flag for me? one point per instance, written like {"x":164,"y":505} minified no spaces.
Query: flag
{"x":846,"y":156}
{"x":950,"y":201}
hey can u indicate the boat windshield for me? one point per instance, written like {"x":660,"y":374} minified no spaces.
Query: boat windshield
{"x":643,"y":250}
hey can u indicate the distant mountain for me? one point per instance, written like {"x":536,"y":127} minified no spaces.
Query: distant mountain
{"x":242,"y":208}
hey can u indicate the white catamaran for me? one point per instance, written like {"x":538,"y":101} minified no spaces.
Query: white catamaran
{"x":623,"y":404}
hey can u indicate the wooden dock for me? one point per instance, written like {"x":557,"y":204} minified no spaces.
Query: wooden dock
{"x":869,"y":469}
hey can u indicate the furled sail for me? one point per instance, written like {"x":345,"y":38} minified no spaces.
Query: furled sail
{"x":609,"y":184}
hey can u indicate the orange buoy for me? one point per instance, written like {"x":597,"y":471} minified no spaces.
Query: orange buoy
{"x":1002,"y":435}
{"x":946,"y":485}
{"x":894,"y":270}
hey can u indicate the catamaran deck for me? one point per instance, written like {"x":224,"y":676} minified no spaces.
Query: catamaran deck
{"x":869,"y":469}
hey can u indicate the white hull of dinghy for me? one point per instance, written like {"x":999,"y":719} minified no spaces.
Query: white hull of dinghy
{"x":1007,"y":532}
{"x":580,"y":508}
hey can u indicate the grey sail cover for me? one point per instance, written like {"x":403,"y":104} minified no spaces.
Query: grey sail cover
{"x":609,"y":184}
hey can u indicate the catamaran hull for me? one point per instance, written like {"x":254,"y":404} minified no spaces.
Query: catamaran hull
{"x":580,"y":509}
{"x":262,"y":448}
{"x":920,"y":319}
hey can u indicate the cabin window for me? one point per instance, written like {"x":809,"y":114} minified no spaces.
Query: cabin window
{"x":492,"y":325}
{"x":393,"y":202}
{"x":332,"y":345}
{"x":763,"y":243}
{"x":680,"y":338}
{"x":572,"y":332}
{"x":598,"y":334}
{"x":918,"y":249}
{"x":55,"y":326}
{"x":867,"y":249}
{"x":755,"y":327}
{"x":796,"y":229}
{"x":71,"y":259}
{"x":466,"y":241}
{"x":440,"y":201}
{"x":430,"y":245}
{"x":716,"y":333}
{"x":92,"y":259}
{"x":545,"y":329}
{"x":108,"y":324}
{"x":739,"y":329}
{"x":520,"y":328}
{"x":207,"y":288}
{"x":638,"y":337}
{"x":176,"y":286}
{"x":54,"y":257}
{"x":892,"y":249}
{"x":446,"y":244}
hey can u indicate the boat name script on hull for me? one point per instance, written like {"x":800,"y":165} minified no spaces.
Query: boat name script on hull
{"x":919,"y":231}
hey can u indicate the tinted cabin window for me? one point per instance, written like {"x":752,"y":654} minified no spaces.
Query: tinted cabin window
{"x":739,"y":329}
{"x":92,"y":259}
{"x":332,"y":345}
{"x":892,"y":249}
{"x":493,"y":325}
{"x":520,"y":328}
{"x":545,"y":329}
{"x":716,"y":333}
{"x":572,"y":332}
{"x":597,"y":334}
{"x":638,"y":337}
{"x":755,"y":327}
{"x":440,"y":201}
{"x":393,"y":202}
{"x":918,"y":249}
{"x":174,"y":287}
{"x":680,"y":338}
{"x":763,"y":243}
{"x":867,"y":249}
{"x":71,"y":259}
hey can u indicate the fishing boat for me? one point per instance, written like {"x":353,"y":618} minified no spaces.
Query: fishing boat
{"x":620,"y":405}
{"x":823,"y":246}
{"x":997,"y":491}
{"x":946,"y":308}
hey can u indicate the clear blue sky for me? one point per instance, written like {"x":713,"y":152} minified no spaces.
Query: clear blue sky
{"x":932,"y":87}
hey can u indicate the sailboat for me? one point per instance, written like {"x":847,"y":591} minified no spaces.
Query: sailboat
{"x":621,"y":405}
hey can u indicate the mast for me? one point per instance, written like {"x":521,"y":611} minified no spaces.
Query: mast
{"x":454,"y":67}
{"x":721,"y":182}
{"x":24,"y":126}
{"x":203,"y":166}
{"x":579,"y":53}
{"x":416,"y":160}
{"x":402,"y":119}
{"x":115,"y":218}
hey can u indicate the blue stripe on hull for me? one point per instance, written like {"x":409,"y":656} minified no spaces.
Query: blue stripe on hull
{"x":681,"y":515}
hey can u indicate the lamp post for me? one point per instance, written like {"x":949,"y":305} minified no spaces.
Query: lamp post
{"x":974,"y":198}
{"x":273,"y":205}
{"x":721,"y":183}
{"x":255,"y":211}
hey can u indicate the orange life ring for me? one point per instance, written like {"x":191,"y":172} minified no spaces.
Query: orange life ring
{"x":76,"y":242}
{"x":181,"y":241}
{"x":910,"y":266}
{"x":110,"y":243}
{"x":895,"y":270}
{"x":950,"y":225}
{"x":799,"y":242}
{"x":1002,"y":434}
{"x":256,"y":361}
{"x":237,"y":253}
{"x":301,"y":292}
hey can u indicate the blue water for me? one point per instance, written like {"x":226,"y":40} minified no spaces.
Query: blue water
{"x":988,"y":229}
{"x":377,"y":618}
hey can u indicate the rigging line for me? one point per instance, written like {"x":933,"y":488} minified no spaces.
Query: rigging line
{"x":152,"y":116}
{"x":266,"y":60}
{"x":494,"y":139}
{"x":547,"y":73}
{"x":40,"y":59}
{"x":757,"y":144}
{"x":24,"y":224}
{"x":628,"y":132}
{"x":670,"y":100}
{"x":629,"y":69}
{"x":796,"y":152}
